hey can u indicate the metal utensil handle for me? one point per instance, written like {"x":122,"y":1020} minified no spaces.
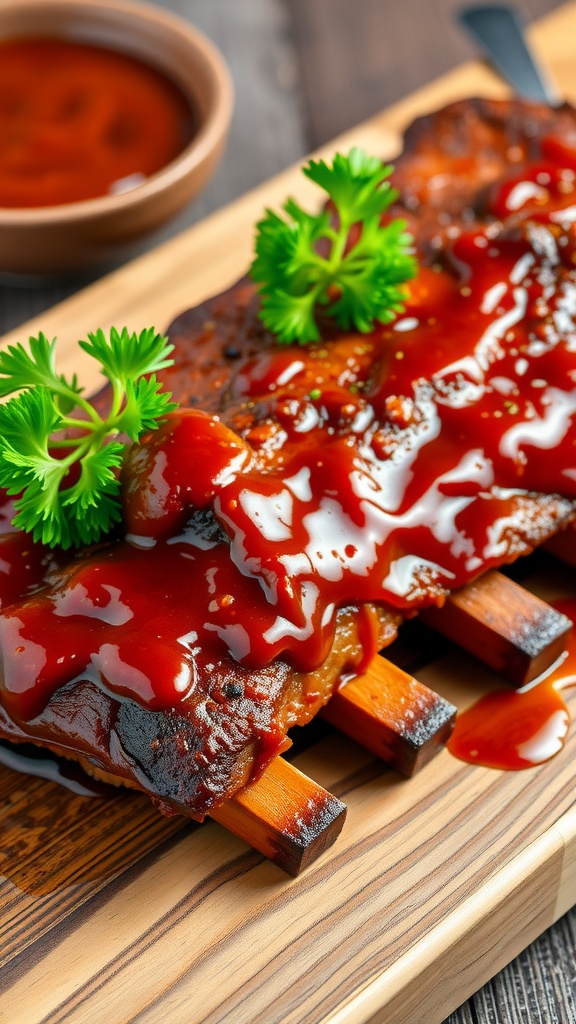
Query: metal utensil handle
{"x":500,"y":33}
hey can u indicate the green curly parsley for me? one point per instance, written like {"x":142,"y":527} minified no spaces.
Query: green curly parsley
{"x":68,"y":487}
{"x":304,"y":262}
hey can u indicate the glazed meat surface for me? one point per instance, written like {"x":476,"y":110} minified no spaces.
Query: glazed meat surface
{"x":303,"y":501}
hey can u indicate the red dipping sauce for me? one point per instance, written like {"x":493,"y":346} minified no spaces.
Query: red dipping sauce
{"x":79,"y":121}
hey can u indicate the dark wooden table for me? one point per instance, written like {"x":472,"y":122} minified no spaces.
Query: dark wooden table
{"x":304,"y":71}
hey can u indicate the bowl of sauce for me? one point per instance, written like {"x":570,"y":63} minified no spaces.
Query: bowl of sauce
{"x":113,"y":116}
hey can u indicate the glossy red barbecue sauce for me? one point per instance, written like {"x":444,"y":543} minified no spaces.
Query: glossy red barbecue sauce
{"x":79,"y":121}
{"x":514,"y":729}
{"x":388,"y":467}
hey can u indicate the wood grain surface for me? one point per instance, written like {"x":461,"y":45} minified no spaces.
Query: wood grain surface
{"x":111,"y":912}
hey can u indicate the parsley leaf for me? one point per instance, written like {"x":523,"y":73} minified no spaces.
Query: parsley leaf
{"x":65,"y":467}
{"x":304,"y":262}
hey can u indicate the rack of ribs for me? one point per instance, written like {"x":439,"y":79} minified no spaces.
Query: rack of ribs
{"x":304,"y":501}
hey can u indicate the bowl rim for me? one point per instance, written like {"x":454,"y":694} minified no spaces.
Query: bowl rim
{"x":208,"y":136}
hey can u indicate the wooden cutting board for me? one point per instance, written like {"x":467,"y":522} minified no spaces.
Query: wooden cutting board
{"x":110,"y":912}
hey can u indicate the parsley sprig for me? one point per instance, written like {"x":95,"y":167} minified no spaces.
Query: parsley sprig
{"x":56,"y":451}
{"x":305,"y":262}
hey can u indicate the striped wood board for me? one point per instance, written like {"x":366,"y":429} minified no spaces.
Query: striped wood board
{"x":110,"y":912}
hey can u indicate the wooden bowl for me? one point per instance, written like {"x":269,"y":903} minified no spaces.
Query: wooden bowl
{"x":105,"y":230}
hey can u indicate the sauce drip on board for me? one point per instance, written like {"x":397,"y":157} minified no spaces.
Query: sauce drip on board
{"x":513,"y":729}
{"x":387,"y":467}
{"x":79,"y":121}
